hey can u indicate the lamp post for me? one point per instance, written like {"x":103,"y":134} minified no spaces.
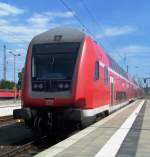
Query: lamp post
{"x":14,"y":55}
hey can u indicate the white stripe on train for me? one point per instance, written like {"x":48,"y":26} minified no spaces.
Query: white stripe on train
{"x":111,"y":70}
{"x":110,"y":108}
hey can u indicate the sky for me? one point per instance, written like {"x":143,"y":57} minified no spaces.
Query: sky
{"x":121,"y":27}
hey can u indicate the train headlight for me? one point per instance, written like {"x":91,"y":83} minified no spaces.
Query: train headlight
{"x":66,"y":85}
{"x":35,"y":86}
{"x":60,"y":85}
{"x":40,"y":86}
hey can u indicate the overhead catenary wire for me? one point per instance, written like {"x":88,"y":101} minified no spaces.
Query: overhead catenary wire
{"x":80,"y":21}
{"x":76,"y":17}
{"x":97,"y":24}
{"x":90,"y":14}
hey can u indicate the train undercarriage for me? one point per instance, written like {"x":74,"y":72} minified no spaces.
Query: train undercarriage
{"x":53,"y":121}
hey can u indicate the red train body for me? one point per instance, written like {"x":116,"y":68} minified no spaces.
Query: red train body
{"x":69,"y":76}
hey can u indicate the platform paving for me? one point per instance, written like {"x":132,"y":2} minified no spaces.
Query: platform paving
{"x":91,"y":140}
{"x":7,"y":107}
{"x":4,"y":103}
{"x":137,"y":142}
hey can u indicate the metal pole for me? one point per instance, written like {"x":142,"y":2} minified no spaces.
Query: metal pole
{"x":15,"y":75}
{"x":127,"y":68}
{"x":14,"y":55}
{"x":5,"y":62}
{"x":14,"y":68}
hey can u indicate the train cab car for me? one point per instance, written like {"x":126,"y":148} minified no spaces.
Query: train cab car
{"x":68,"y":77}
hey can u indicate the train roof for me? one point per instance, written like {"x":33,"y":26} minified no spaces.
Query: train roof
{"x":72,"y":34}
{"x":66,"y":34}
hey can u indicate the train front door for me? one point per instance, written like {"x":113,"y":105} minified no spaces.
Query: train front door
{"x":111,"y":92}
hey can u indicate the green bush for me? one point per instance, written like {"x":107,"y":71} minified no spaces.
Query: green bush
{"x":6,"y":84}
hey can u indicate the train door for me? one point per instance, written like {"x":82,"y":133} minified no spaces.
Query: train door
{"x":111,"y":92}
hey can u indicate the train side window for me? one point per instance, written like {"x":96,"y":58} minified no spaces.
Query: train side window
{"x":121,"y":95}
{"x":96,"y":71}
{"x":105,"y":75}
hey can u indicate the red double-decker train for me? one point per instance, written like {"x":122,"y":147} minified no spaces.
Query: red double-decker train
{"x":69,"y":77}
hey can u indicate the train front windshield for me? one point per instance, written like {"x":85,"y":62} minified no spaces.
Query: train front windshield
{"x":54,"y":61}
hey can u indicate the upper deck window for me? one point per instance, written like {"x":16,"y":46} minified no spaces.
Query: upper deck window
{"x":105,"y":75}
{"x":96,"y":71}
{"x":114,"y":66}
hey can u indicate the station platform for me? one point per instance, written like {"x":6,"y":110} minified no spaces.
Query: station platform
{"x":7,"y":107}
{"x":125,"y":133}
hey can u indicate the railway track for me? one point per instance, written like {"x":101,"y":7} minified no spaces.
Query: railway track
{"x":28,"y":149}
{"x":35,"y":146}
{"x":32,"y":147}
{"x":7,"y":120}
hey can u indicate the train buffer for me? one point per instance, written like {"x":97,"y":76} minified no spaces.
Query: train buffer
{"x":125,"y":133}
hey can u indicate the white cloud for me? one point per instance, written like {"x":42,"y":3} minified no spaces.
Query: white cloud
{"x":39,"y":20}
{"x":20,"y":33}
{"x":132,"y":50}
{"x":67,"y":14}
{"x":3,"y":22}
{"x":7,"y":9}
{"x":116,"y":31}
{"x":35,"y":24}
{"x":44,"y":18}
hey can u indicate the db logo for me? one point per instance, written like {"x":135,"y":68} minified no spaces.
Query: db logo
{"x":49,"y":102}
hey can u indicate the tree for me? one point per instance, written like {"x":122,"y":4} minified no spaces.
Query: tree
{"x":20,"y":78}
{"x":6,"y":84}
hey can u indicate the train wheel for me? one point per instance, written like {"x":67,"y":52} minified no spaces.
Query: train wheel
{"x":106,"y":113}
{"x":29,"y":123}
